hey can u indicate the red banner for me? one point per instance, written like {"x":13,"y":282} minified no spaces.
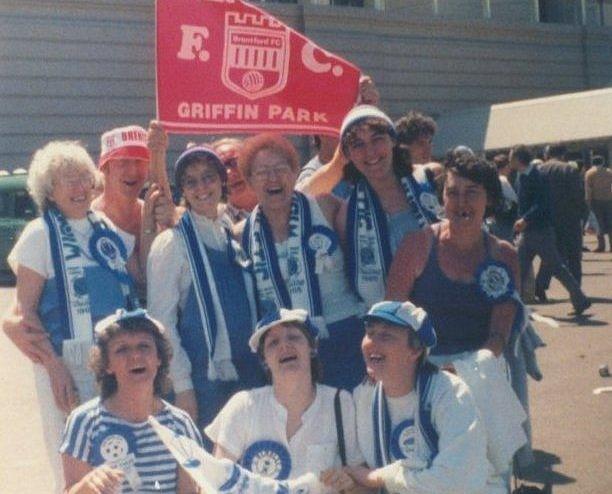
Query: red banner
{"x":225,"y":66}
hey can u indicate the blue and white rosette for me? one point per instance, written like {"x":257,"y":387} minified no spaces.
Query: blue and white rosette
{"x":323,"y":241}
{"x":403,"y":439}
{"x":116,"y":446}
{"x":495,"y":281}
{"x":109,"y":251}
{"x":268,"y":459}
{"x":496,"y":285}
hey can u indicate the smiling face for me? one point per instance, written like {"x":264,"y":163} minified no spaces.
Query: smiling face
{"x":286,"y":350}
{"x":465,"y":202}
{"x":72,"y":192}
{"x":133,"y":358}
{"x":371,"y":151}
{"x":387,"y":353}
{"x":202,"y":188}
{"x":125,"y":176}
{"x":272,"y":179}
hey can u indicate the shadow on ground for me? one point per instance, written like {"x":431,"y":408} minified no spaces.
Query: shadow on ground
{"x":542,"y":471}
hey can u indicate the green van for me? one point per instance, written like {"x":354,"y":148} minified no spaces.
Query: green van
{"x":16,"y":209}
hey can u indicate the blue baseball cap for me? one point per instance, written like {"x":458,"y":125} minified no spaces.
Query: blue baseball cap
{"x":406,"y":315}
{"x":277,"y":317}
{"x":203,"y":152}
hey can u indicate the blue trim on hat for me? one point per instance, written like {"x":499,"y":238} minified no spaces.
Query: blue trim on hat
{"x":204,"y":152}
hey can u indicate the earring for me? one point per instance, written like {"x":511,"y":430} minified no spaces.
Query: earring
{"x":313,"y":353}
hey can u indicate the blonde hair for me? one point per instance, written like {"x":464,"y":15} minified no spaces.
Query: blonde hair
{"x":52,"y":158}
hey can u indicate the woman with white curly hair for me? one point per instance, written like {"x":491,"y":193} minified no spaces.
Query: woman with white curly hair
{"x":71,"y":269}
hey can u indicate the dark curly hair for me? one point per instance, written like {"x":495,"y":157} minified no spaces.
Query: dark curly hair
{"x":98,"y":359}
{"x":479,"y":171}
{"x":402,"y":164}
{"x":316,"y":368}
{"x":413,"y":126}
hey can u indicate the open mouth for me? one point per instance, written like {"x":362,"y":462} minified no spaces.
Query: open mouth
{"x":130,"y":183}
{"x":138,"y":370}
{"x":274,"y":191}
{"x":288,"y":359}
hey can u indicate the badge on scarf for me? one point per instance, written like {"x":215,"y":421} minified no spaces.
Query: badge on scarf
{"x":323,"y":241}
{"x":109,"y":251}
{"x":268,"y":459}
{"x":495,"y":281}
{"x":430,"y":202}
{"x":402,"y":439}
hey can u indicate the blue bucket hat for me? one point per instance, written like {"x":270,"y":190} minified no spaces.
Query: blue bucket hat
{"x":280,"y":316}
{"x":199,"y":152}
{"x":406,"y":315}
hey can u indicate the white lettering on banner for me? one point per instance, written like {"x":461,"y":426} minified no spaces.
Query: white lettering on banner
{"x":295,"y":115}
{"x":192,"y":43}
{"x":218,"y":111}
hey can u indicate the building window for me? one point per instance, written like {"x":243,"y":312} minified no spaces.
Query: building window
{"x":560,"y":12}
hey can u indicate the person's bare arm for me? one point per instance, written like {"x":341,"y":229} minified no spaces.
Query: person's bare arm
{"x":502,"y":315}
{"x":82,"y":478}
{"x":323,"y":180}
{"x":408,"y":264}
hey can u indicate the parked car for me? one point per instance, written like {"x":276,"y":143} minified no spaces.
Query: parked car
{"x":16,"y":209}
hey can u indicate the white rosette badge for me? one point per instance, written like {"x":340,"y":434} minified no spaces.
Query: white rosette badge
{"x":323,"y":242}
{"x":495,"y":281}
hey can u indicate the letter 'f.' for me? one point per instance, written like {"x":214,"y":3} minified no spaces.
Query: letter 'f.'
{"x":192,"y":43}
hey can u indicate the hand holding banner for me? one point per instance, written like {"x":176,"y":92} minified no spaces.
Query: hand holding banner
{"x":227,"y":66}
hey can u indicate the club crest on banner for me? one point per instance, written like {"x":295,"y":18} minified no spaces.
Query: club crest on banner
{"x":255,"y":55}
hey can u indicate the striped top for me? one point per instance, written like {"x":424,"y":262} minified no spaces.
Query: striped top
{"x":96,"y":436}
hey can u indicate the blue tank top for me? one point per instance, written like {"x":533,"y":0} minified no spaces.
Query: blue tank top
{"x":458,"y":313}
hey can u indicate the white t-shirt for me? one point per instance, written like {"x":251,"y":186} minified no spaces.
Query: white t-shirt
{"x":33,"y":250}
{"x":256,"y":415}
{"x":461,"y":463}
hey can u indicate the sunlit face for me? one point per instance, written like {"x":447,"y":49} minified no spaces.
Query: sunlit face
{"x":72,"y":192}
{"x":386,"y":351}
{"x":272,"y":179}
{"x":125,"y":176}
{"x":202,"y":188}
{"x":465,"y":201}
{"x":420,"y":149}
{"x":133,"y":358}
{"x":286,"y":350}
{"x":371,"y":151}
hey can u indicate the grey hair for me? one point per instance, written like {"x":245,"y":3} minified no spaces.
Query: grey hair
{"x":48,"y":161}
